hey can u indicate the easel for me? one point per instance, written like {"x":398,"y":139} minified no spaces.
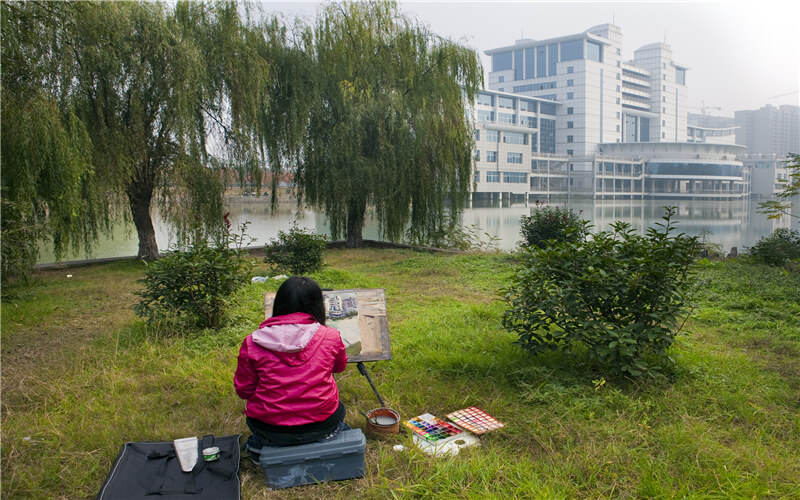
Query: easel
{"x":362,"y":369}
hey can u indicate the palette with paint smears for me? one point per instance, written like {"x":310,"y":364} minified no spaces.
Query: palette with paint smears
{"x":431,"y":428}
{"x":475,"y":420}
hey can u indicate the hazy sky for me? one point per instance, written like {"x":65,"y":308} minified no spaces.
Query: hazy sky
{"x":740,"y":53}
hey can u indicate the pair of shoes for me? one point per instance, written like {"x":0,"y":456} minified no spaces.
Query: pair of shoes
{"x":255,"y":458}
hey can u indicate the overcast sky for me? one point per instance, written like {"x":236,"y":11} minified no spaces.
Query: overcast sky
{"x":740,"y":53}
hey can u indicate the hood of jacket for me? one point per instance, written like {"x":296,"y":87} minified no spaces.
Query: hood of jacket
{"x":290,"y":337}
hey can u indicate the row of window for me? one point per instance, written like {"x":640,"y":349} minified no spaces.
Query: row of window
{"x":508,"y":177}
{"x":507,"y":102}
{"x":538,"y":62}
{"x":491,"y":157}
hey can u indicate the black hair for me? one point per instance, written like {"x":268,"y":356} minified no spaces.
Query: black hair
{"x":299,"y":294}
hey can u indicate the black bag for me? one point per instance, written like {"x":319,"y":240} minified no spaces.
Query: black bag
{"x":152,"y":471}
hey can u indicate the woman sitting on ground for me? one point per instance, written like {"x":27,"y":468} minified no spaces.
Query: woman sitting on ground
{"x":285,"y":371}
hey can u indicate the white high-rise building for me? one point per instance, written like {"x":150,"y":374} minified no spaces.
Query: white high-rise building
{"x":621,"y":127}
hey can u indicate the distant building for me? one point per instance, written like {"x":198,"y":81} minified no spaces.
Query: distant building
{"x":766,"y":172}
{"x":711,"y":129}
{"x":567,"y":115}
{"x":769,"y":130}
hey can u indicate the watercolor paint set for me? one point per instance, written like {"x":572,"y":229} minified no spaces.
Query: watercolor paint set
{"x":432,"y":428}
{"x":475,"y":420}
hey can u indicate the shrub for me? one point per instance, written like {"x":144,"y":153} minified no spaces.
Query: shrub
{"x":194,"y":285}
{"x":779,"y":248}
{"x":547,"y":224}
{"x":297,"y":252}
{"x":617,"y":293}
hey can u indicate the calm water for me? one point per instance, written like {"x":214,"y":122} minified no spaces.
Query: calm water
{"x":730,"y":223}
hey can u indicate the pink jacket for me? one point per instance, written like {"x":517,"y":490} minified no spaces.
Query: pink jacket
{"x":285,"y":370}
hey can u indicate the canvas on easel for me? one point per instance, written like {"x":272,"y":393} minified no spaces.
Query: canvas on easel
{"x":360,"y":316}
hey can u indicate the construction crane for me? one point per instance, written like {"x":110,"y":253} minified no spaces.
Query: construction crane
{"x":704,"y":109}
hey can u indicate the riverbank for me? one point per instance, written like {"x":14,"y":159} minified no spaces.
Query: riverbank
{"x":82,"y":375}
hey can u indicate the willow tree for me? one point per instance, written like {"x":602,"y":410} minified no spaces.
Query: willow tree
{"x":388,"y":126}
{"x":149,"y":84}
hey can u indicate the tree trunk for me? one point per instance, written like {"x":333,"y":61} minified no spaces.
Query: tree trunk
{"x":355,"y":223}
{"x":140,"y":196}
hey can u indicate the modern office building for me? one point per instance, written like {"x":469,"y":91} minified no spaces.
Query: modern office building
{"x":711,"y":129}
{"x":619,"y":128}
{"x":769,"y":130}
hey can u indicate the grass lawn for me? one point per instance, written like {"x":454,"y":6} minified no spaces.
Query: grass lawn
{"x":81,"y":375}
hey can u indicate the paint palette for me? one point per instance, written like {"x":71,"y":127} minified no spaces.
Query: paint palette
{"x":475,"y":420}
{"x":431,"y":428}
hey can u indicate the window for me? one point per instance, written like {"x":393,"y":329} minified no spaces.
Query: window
{"x":594,"y":51}
{"x":617,"y":100}
{"x":531,"y":121}
{"x":570,"y":111}
{"x":571,"y":50}
{"x":570,"y":70}
{"x":517,"y":65}
{"x":619,"y":52}
{"x":569,"y":138}
{"x":501,"y":61}
{"x":529,"y":66}
{"x":680,"y":76}
{"x":491,"y":156}
{"x":477,"y":175}
{"x":552,"y":59}
{"x":663,"y":135}
{"x":492,"y":136}
{"x":514,"y":158}
{"x":506,"y":102}
{"x":619,"y":64}
{"x":515,"y":177}
{"x":617,"y":128}
{"x":477,"y":135}
{"x":570,"y":95}
{"x":663,"y":110}
{"x":547,"y":108}
{"x":485,"y":116}
{"x":541,"y":61}
{"x":663,"y":123}
{"x":569,"y":152}
{"x":570,"y":83}
{"x":501,"y":79}
{"x":663,"y":98}
{"x":570,"y":124}
{"x":534,"y":142}
{"x":618,"y":88}
{"x":506,"y":118}
{"x":527,"y":106}
{"x":547,"y":139}
{"x":664,"y":87}
{"x":485,"y":99}
{"x":665,"y":65}
{"x":492,"y":176}
{"x":663,"y":77}
{"x":477,"y":155}
{"x":501,"y":89}
{"x":515,"y":138}
{"x":617,"y":114}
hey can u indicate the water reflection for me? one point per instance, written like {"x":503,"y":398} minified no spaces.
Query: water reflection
{"x":730,"y":223}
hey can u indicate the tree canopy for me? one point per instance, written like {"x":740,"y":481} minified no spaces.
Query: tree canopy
{"x":112,"y":108}
{"x":388,"y":125}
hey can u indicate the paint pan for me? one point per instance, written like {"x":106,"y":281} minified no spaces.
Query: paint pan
{"x":382,"y":422}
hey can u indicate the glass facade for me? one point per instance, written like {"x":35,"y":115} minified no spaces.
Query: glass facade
{"x":506,"y":102}
{"x":517,"y":65}
{"x":552,"y":59}
{"x":534,"y":143}
{"x":527,"y":106}
{"x":486,"y":99}
{"x":547,"y":108}
{"x":594,"y":51}
{"x":571,"y":50}
{"x":534,"y":86}
{"x":547,"y":140}
{"x":531,"y":122}
{"x":529,"y":65}
{"x":501,"y":61}
{"x":680,"y":76}
{"x":485,"y":116}
{"x":506,"y":118}
{"x":685,"y":169}
{"x":541,"y":62}
{"x":629,"y":134}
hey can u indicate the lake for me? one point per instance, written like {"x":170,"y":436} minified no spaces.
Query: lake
{"x":730,"y":222}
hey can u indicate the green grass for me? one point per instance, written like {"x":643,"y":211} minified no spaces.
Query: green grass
{"x":84,"y":375}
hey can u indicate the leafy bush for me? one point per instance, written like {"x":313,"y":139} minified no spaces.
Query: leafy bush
{"x":618,"y":293}
{"x":296,"y":252}
{"x":548,"y":224}
{"x":194,"y":285}
{"x":779,"y":248}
